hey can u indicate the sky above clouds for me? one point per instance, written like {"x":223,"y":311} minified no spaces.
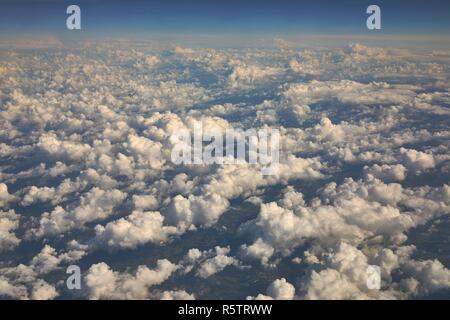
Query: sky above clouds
{"x":145,"y":18}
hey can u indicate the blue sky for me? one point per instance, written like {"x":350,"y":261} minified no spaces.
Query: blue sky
{"x":101,"y":18}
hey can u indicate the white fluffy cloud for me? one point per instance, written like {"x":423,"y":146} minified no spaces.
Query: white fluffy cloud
{"x":43,"y":291}
{"x":416,"y":160}
{"x":86,"y":146}
{"x":63,"y":149}
{"x":176,"y":295}
{"x":104,"y":283}
{"x":247,"y":75}
{"x":345,"y":275}
{"x":217,"y":263}
{"x":27,"y":281}
{"x":387,"y":173}
{"x":97,"y":204}
{"x":5,"y":197}
{"x":137,"y":228}
{"x":280,"y":289}
{"x":9,"y":221}
{"x":36,"y":194}
{"x":354,"y":212}
{"x":208,"y":262}
{"x":233,"y":181}
{"x":258,"y":250}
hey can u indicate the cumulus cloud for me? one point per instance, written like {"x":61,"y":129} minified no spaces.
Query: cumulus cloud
{"x":346,"y":91}
{"x":46,"y":261}
{"x":71,"y":150}
{"x":387,"y":173}
{"x":27,"y":281}
{"x":247,"y":75}
{"x":9,"y":221}
{"x":280,"y":289}
{"x":104,"y":283}
{"x":354,"y":211}
{"x":345,"y":275}
{"x":36,"y":194}
{"x":97,"y":204}
{"x":136,"y":229}
{"x":88,"y":148}
{"x":216,"y":263}
{"x":233,"y":181}
{"x":208,"y":262}
{"x":176,"y":295}
{"x":416,"y":160}
{"x":258,"y":250}
{"x":43,"y":291}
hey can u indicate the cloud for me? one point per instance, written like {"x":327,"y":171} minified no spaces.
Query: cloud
{"x":208,"y":262}
{"x":416,"y":160}
{"x":430,"y":275}
{"x":36,"y":194}
{"x":9,"y":222}
{"x":63,"y":149}
{"x":345,"y":275}
{"x":247,"y":75}
{"x":43,"y":291}
{"x":351,"y":92}
{"x":353,"y":212}
{"x":216,"y":264}
{"x":258,"y":250}
{"x":145,"y":201}
{"x":46,"y":261}
{"x":97,"y":204}
{"x":146,"y":151}
{"x":5,"y":197}
{"x":9,"y":290}
{"x":230,"y":182}
{"x":104,"y":283}
{"x":280,"y":289}
{"x":86,"y":149}
{"x":26,"y":281}
{"x":387,"y":173}
{"x":176,"y":295}
{"x":136,"y":229}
